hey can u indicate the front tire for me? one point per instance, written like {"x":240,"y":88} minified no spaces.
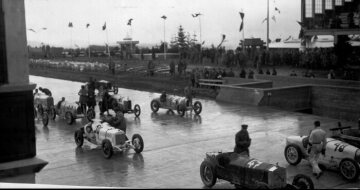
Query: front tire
{"x":79,"y":138}
{"x":45,"y":119}
{"x":107,"y":148}
{"x":137,"y":110}
{"x":197,"y":107}
{"x":293,"y":154}
{"x":301,"y":181}
{"x":349,"y":169}
{"x":69,"y":118}
{"x":138,"y":143}
{"x":207,"y":174}
{"x":155,"y":105}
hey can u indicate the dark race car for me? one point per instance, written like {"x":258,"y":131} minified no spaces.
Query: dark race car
{"x":245,"y":172}
{"x":347,"y":134}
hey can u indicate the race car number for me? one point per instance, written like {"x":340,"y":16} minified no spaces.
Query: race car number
{"x":254,"y":164}
{"x":339,"y":147}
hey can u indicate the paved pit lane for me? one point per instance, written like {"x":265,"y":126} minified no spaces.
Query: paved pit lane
{"x":174,"y":146}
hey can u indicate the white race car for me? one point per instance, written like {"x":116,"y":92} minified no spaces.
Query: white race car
{"x":339,"y":155}
{"x":109,"y":138}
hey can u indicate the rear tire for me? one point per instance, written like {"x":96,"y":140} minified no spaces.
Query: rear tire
{"x":207,"y":174}
{"x":137,"y":110}
{"x":45,"y":119}
{"x":138,"y":143}
{"x":197,"y":107}
{"x":293,"y":154}
{"x":155,"y":105}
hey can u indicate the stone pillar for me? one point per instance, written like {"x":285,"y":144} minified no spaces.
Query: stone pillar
{"x":17,"y":137}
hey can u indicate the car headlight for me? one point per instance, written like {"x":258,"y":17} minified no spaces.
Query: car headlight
{"x":357,"y":155}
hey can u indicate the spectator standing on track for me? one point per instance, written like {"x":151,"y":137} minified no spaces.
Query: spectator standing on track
{"x":242,"y":141}
{"x":83,"y":95}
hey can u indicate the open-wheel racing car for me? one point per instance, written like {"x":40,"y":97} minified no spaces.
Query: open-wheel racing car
{"x":109,"y":138}
{"x":106,"y":85}
{"x":117,"y":103}
{"x":44,"y":107}
{"x":339,"y":155}
{"x":72,"y":111}
{"x":245,"y":172}
{"x":172,"y":102}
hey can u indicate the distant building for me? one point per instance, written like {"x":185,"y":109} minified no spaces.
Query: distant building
{"x":128,"y":47}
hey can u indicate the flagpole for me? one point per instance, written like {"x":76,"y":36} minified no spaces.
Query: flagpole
{"x":200,"y":37}
{"x":164,"y":43}
{"x":89,"y":42}
{"x":107,"y":40}
{"x":243,"y":33}
{"x":267,"y":33}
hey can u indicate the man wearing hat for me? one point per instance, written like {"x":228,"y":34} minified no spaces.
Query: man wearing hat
{"x":242,"y":141}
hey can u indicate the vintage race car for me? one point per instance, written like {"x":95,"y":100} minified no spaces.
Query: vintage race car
{"x":347,"y":134}
{"x":249,"y":173}
{"x":44,"y":107}
{"x":172,"y":102}
{"x":109,"y":138}
{"x":339,"y":155}
{"x":117,"y":103}
{"x":72,"y":111}
{"x":106,"y":85}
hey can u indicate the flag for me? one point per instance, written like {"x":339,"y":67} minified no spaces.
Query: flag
{"x":288,"y":38}
{"x":276,"y":9}
{"x":301,"y":34}
{"x":129,"y":22}
{"x":242,"y":20}
{"x":273,"y":17}
{"x":300,"y":23}
{"x":104,"y":27}
{"x":70,"y":25}
{"x":87,"y":25}
{"x":196,"y":15}
{"x":164,"y":17}
{"x":32,"y":30}
{"x":264,"y":20}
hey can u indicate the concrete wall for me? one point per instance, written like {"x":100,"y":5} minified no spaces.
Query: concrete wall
{"x":288,"y":98}
{"x":281,"y":81}
{"x":235,"y":80}
{"x":16,"y":43}
{"x":240,"y":95}
{"x":336,"y":102}
{"x":266,"y":84}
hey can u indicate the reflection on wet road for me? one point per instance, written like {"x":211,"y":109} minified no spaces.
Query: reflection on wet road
{"x":174,"y":146}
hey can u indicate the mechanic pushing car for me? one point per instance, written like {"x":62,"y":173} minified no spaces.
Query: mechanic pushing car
{"x":242,"y":141}
{"x":317,"y":144}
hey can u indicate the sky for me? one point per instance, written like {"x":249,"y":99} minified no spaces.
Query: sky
{"x":218,"y":17}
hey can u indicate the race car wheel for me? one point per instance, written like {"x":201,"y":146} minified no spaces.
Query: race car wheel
{"x":207,"y":174}
{"x":52,"y":113}
{"x":90,"y":115}
{"x":197,"y":107}
{"x":293,"y":154}
{"x":116,"y":90}
{"x":40,"y":109}
{"x":180,"y":110}
{"x":45,"y":119}
{"x":79,"y":138}
{"x":301,"y":181}
{"x":138,"y":143}
{"x":137,"y":110}
{"x":349,"y":169}
{"x":107,"y":148}
{"x":155,"y":106}
{"x":69,"y":118}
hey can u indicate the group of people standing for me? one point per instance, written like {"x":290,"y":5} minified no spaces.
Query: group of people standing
{"x":87,"y":96}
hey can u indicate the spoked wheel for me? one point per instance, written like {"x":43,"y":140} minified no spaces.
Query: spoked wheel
{"x":180,"y":110}
{"x":52,"y":113}
{"x":107,"y":148}
{"x":155,"y":106}
{"x":79,"y":138}
{"x":293,"y":154}
{"x":207,"y":174}
{"x":40,"y":110}
{"x":90,"y":115}
{"x":137,"y":110}
{"x":69,"y":118}
{"x":303,"y":182}
{"x":138,"y":143}
{"x":45,"y":119}
{"x":197,"y":107}
{"x":349,"y":169}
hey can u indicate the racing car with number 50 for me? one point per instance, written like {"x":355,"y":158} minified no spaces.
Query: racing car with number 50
{"x":339,"y":155}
